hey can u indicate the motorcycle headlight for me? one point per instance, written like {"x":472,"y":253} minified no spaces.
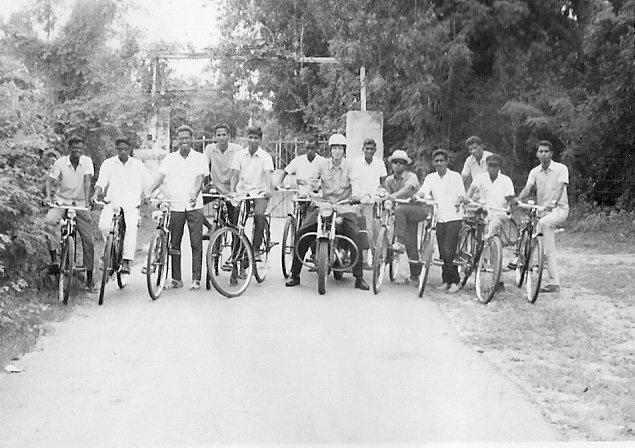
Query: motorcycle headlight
{"x":71,"y":213}
{"x":326,"y":210}
{"x":388,"y":204}
{"x":164,"y":207}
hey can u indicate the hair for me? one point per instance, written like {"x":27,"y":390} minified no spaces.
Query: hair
{"x":254,"y":130}
{"x":369,"y":141}
{"x":185,"y":128}
{"x":122,"y":140}
{"x":473,"y":140}
{"x":75,"y":139}
{"x":495,"y":159}
{"x":222,"y":126}
{"x":312,"y":139}
{"x":545,"y":143}
{"x":441,"y":152}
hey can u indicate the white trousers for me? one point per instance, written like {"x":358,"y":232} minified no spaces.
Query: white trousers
{"x":547,"y":225}
{"x":131,"y":217}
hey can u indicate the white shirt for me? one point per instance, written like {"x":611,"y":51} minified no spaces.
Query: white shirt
{"x":474,"y":168}
{"x":366,"y":176}
{"x":124,"y":182}
{"x":494,"y":193}
{"x":547,"y":184}
{"x":220,"y":163}
{"x":446,"y":191}
{"x":71,"y":180}
{"x":253,"y":171}
{"x":180,"y":178}
{"x":303,"y":168}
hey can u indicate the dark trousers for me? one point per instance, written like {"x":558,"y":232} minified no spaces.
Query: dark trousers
{"x":194,"y":220}
{"x":407,"y":219}
{"x":84,"y":226}
{"x":260,"y":219}
{"x":348,"y":228}
{"x":448,"y":239}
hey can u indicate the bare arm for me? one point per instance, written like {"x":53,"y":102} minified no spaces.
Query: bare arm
{"x":87,"y":179}
{"x":233,"y":181}
{"x":157,"y":183}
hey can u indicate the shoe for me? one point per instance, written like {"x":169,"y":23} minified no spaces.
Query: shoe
{"x":242,"y":274}
{"x":227,"y":266}
{"x":500,"y":287}
{"x":196,"y":284}
{"x":367,"y":267}
{"x":513,"y":264}
{"x":258,"y":257}
{"x":144,"y":270}
{"x":550,"y":288}
{"x":233,"y":281}
{"x":293,"y":281}
{"x":360,"y":283}
{"x":443,"y":287}
{"x":454,"y":287}
{"x":414,"y":279}
{"x":90,"y":288}
{"x":398,"y":247}
{"x":124,"y":269}
{"x":175,"y":284}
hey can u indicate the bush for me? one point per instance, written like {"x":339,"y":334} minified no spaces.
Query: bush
{"x":585,"y":217}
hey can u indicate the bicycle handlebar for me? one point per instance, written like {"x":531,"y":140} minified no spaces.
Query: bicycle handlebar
{"x":489,"y":207}
{"x":66,"y":207}
{"x":531,"y":206}
{"x":419,"y":200}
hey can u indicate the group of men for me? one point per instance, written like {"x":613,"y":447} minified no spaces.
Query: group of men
{"x":233,"y":170}
{"x":182,"y":175}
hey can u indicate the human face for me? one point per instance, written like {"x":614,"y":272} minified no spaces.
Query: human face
{"x":184,"y":139}
{"x":337,"y":152}
{"x":544,"y":154}
{"x":369,"y":151}
{"x":253,"y":140}
{"x":222,"y":137}
{"x":440,"y":164}
{"x":476,"y":150}
{"x":398,"y":166}
{"x":493,"y":169}
{"x":123,"y":151}
{"x":76,"y":149}
{"x":311,"y":149}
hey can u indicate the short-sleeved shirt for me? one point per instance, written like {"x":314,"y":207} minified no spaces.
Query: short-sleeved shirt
{"x":220,"y":163}
{"x":394,"y":184}
{"x":446,"y":191}
{"x":473,"y":168}
{"x":124,"y":182}
{"x":71,"y":179}
{"x":253,"y":171}
{"x":336,"y":182}
{"x":494,"y":193}
{"x":180,"y":178}
{"x":303,"y":168}
{"x":547,"y":184}
{"x":366,"y":176}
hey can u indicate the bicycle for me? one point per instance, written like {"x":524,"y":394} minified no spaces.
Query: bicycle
{"x":231,"y":248}
{"x":158,"y":260}
{"x":479,"y":251}
{"x":68,"y":254}
{"x":292,"y":225}
{"x":219,"y":219}
{"x":530,"y":251}
{"x":384,"y":211}
{"x":113,"y":251}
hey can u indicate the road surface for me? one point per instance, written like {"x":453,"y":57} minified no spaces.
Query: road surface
{"x":276,"y":365}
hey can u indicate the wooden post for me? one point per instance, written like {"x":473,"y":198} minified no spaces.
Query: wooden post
{"x":362,"y":81}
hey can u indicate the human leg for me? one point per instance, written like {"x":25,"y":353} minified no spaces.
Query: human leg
{"x":177,"y":222}
{"x":85,"y":230}
{"x":303,"y":244}
{"x":195,"y":220}
{"x":547,"y":225}
{"x":105,"y":218}
{"x":131,"y":218}
{"x":260,"y":221}
{"x":447,"y":238}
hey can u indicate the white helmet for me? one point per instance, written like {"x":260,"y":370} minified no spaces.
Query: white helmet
{"x":337,"y":139}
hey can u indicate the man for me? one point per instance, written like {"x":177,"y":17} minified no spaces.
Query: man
{"x":335,"y":179}
{"x":446,"y":187}
{"x":219,"y":157}
{"x":495,"y":189}
{"x":369,"y":174}
{"x":403,"y":184}
{"x":251,"y":170}
{"x":304,"y":167}
{"x":74,"y":174}
{"x":475,"y":162}
{"x":123,"y":178}
{"x":550,"y":180}
{"x":182,"y":172}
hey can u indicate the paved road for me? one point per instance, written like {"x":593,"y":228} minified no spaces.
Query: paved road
{"x":276,"y":365}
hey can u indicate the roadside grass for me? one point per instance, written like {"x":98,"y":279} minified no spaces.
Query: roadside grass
{"x":573,"y":352}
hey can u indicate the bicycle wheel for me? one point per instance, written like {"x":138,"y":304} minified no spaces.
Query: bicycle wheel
{"x":106,"y":266}
{"x":208,"y":268}
{"x":467,"y":254}
{"x":522,"y":252}
{"x":426,"y":260}
{"x":380,"y":259}
{"x":535,"y":264}
{"x":122,"y":279}
{"x":157,"y":264}
{"x":488,"y":271}
{"x":288,"y":244}
{"x":67,"y":265}
{"x":229,"y":246}
{"x":322,"y":264}
{"x":261,"y":257}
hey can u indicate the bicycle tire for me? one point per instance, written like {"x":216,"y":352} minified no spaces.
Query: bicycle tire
{"x":105,"y":268}
{"x":208,"y":268}
{"x":488,"y":270}
{"x":122,"y":279}
{"x":322,"y":264}
{"x":229,"y":245}
{"x":521,"y":262}
{"x":380,"y":259}
{"x":67,"y":267}
{"x":288,"y":245}
{"x":262,"y":267}
{"x":535,"y":265}
{"x":428,"y":245}
{"x":467,"y":249}
{"x":157,"y":264}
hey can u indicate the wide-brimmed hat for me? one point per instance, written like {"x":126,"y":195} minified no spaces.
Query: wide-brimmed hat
{"x":398,"y":154}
